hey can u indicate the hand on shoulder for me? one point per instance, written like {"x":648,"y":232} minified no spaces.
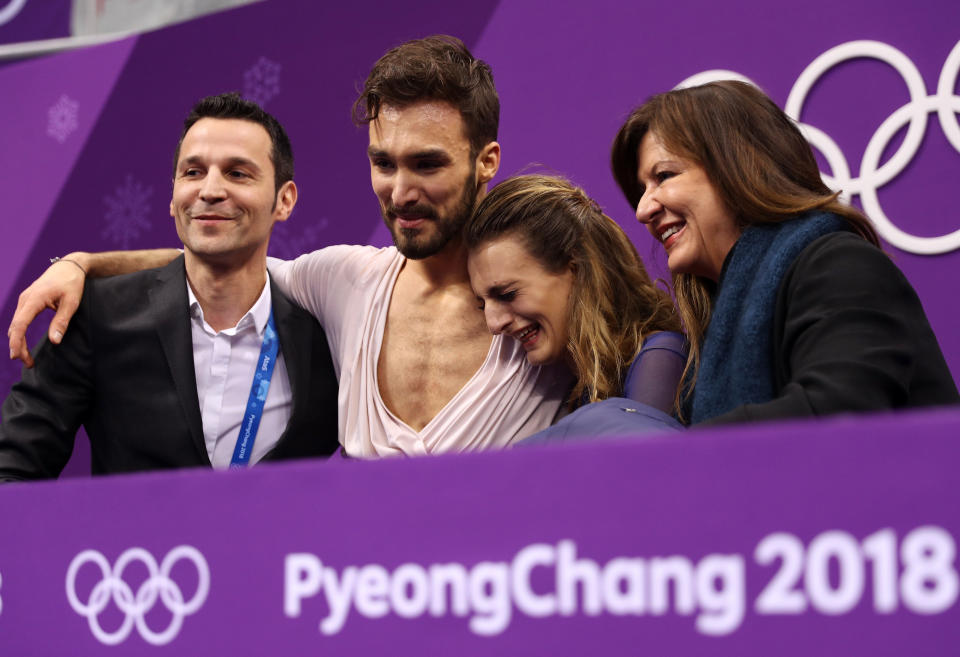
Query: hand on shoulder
{"x":60,"y":288}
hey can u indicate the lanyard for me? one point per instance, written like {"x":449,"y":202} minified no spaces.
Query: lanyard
{"x":258,"y":396}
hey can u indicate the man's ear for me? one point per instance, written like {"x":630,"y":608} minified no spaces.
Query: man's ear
{"x":488,"y":162}
{"x":171,"y":209}
{"x":286,"y":199}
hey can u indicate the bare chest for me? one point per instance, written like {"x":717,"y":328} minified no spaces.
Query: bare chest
{"x":428,"y":354}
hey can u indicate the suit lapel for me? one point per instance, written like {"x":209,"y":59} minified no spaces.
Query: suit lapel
{"x":295,"y":345}
{"x":168,"y":300}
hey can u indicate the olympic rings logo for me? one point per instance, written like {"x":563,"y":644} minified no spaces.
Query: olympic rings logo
{"x":872,"y":176}
{"x":158,"y":585}
{"x":13,"y":8}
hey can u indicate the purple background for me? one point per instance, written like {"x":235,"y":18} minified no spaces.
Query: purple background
{"x":567,"y":73}
{"x":718,"y":491}
{"x":36,"y":20}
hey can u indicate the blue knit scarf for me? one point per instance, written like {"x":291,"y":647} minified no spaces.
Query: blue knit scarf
{"x":736,"y":364}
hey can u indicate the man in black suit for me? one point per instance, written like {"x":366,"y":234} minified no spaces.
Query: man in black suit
{"x":173,"y":367}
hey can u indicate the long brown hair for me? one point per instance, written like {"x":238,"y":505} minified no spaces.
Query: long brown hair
{"x":613,"y":304}
{"x":760,"y":164}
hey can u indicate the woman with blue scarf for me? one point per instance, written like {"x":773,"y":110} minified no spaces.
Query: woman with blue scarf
{"x":791,"y":308}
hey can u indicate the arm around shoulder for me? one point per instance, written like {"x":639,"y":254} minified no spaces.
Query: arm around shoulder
{"x":114,"y":263}
{"x":61,"y":286}
{"x":321,"y":281}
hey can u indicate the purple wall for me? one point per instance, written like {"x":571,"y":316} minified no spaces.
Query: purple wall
{"x":88,"y":141}
{"x":32,"y":20}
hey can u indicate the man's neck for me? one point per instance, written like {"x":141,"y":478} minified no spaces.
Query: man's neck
{"x":448,"y":268}
{"x":444,"y":269}
{"x":225,"y":293}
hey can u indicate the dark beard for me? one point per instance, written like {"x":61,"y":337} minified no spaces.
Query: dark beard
{"x":409,"y":241}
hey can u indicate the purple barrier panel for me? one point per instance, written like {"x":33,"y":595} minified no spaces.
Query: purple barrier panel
{"x":832,"y":537}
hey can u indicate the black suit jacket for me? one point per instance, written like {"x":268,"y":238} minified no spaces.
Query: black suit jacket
{"x":849,"y":335}
{"x":124,"y":371}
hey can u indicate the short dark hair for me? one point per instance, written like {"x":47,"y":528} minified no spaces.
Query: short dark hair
{"x":435,"y":68}
{"x":232,"y":106}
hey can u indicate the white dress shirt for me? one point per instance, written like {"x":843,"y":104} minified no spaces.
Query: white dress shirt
{"x":225,"y":363}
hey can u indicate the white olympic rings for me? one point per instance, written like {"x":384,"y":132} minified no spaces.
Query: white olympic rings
{"x":135,"y":607}
{"x":8,"y":13}
{"x":872,"y":175}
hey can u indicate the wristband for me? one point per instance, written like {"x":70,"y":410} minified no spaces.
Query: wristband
{"x":58,"y":259}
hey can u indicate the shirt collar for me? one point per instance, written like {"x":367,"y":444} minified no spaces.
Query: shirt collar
{"x":258,"y":315}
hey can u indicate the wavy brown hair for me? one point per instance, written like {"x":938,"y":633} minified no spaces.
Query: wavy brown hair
{"x":758,"y":161}
{"x":438,"y":68}
{"x":613,"y":304}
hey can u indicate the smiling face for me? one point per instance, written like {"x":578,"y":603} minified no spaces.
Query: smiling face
{"x":224,"y":197}
{"x":521,"y":298}
{"x":682,"y":209}
{"x":423,"y":175}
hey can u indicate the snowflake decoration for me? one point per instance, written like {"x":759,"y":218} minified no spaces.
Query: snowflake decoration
{"x":62,"y":118}
{"x":261,"y":82}
{"x":287,"y":245}
{"x":127,"y":213}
